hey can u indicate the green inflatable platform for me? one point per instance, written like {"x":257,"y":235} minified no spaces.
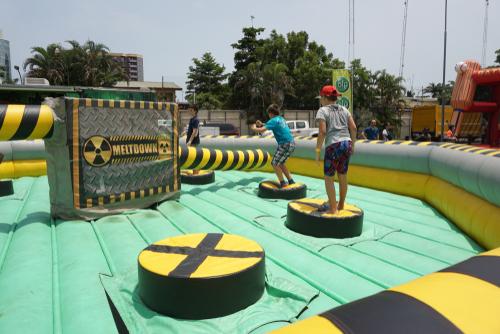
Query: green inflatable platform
{"x":81,"y":277}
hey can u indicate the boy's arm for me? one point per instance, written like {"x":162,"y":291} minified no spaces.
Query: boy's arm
{"x":353,"y":130}
{"x":321,"y":138}
{"x":258,"y":130}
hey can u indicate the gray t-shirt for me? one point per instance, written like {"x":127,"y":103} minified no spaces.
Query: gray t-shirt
{"x":337,"y":123}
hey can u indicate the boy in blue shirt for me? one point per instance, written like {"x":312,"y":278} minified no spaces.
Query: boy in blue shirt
{"x":283,"y":136}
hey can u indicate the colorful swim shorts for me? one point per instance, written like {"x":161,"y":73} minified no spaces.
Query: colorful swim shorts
{"x":337,"y":157}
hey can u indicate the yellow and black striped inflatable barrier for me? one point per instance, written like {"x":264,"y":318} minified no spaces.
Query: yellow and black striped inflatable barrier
{"x":6,"y":187}
{"x":19,"y":122}
{"x":307,"y":216}
{"x":201,"y":276}
{"x":214,"y":159}
{"x":464,"y":298}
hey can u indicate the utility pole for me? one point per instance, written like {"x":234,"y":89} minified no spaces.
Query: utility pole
{"x":485,"y":34}
{"x":444,"y":68}
{"x":252,"y":18}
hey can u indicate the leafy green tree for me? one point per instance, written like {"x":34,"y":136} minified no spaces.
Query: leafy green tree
{"x":246,"y":47}
{"x":363,"y":92}
{"x":306,"y":62}
{"x":206,"y":79}
{"x":276,"y":83}
{"x":245,"y":54}
{"x":250,"y":83}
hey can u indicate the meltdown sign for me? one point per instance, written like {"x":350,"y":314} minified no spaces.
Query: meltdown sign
{"x":108,"y":156}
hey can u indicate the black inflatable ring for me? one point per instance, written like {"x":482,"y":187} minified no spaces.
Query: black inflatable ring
{"x":203,"y":177}
{"x":304,"y":217}
{"x":272,"y":189}
{"x":201,"y":276}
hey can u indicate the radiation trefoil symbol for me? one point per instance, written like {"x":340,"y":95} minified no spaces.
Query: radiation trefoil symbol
{"x":97,"y":151}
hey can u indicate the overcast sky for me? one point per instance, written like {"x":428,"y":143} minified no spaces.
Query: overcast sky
{"x":170,"y":33}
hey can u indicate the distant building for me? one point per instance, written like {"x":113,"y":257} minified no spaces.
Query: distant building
{"x":165,"y":91}
{"x":132,"y":65}
{"x":5,"y":74}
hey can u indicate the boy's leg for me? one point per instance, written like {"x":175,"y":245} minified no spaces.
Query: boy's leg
{"x":329,"y":171}
{"x":290,"y":147}
{"x":286,"y":172}
{"x":342,"y":190}
{"x":278,"y":172}
{"x":330,"y":191}
{"x":276,"y":163}
{"x":342,"y":168}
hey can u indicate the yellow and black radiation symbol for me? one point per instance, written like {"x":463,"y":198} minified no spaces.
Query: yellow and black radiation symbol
{"x":97,"y":151}
{"x":163,"y":148}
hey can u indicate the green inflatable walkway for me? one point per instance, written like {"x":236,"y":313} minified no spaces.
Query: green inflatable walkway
{"x":80,"y":277}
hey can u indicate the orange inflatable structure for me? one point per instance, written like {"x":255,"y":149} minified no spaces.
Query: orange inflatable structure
{"x":467,"y":109}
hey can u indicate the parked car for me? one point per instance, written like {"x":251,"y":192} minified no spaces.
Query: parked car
{"x":225,"y":129}
{"x":299,"y":128}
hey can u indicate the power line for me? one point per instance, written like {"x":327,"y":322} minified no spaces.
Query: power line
{"x":485,"y":33}
{"x":349,"y":38}
{"x":403,"y":41}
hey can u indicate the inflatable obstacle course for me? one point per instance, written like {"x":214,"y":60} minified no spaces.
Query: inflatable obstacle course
{"x":273,"y":189}
{"x":200,"y":276}
{"x":203,"y":177}
{"x":307,"y":216}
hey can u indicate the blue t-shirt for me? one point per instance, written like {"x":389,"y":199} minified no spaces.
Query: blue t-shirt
{"x":280,"y":129}
{"x":371,"y":133}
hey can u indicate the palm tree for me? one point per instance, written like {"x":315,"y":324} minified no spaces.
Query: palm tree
{"x":81,"y":65}
{"x":46,"y":63}
{"x":389,"y":91}
{"x":433,"y":89}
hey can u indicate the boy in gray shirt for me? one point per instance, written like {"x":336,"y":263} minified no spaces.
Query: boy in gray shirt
{"x":338,"y":130}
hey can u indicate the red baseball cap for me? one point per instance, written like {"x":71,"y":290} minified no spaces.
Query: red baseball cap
{"x":329,"y":91}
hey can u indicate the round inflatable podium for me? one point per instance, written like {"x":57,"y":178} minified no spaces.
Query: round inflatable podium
{"x":203,"y":177}
{"x":305,"y":216}
{"x":201,"y":276}
{"x":272,"y":189}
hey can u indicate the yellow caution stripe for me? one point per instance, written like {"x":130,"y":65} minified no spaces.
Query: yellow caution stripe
{"x":19,"y":122}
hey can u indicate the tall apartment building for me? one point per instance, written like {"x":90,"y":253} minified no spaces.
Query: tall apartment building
{"x":132,"y":65}
{"x":5,"y":74}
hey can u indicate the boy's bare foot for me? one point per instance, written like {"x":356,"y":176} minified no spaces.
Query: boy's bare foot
{"x":331,"y":212}
{"x":340,"y":207}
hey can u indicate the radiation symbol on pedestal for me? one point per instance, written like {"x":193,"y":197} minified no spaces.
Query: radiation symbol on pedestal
{"x":97,"y":151}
